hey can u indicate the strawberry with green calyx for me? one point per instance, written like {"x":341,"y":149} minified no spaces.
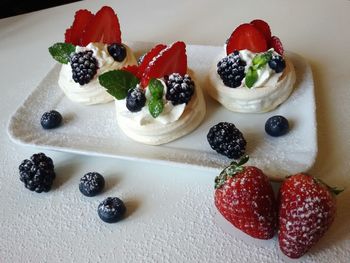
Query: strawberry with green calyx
{"x":307,"y":208}
{"x":244,"y":196}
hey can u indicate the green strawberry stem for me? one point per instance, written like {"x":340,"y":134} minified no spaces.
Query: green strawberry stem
{"x":229,"y":171}
{"x":333,"y":190}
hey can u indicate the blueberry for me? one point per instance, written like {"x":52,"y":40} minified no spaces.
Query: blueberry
{"x":51,"y":119}
{"x":91,"y":184}
{"x":117,"y":51}
{"x":277,"y":63}
{"x":277,"y":126}
{"x":111,"y":210}
{"x":135,"y":99}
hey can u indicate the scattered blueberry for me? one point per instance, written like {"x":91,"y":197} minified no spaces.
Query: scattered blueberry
{"x":111,"y":210}
{"x":277,"y":63}
{"x":38,"y":173}
{"x":84,"y":66}
{"x":277,"y":126}
{"x":179,"y":88}
{"x":91,"y":184}
{"x":135,"y":99}
{"x":117,"y":51}
{"x":51,"y":119}
{"x":231,"y":70}
{"x":226,"y":139}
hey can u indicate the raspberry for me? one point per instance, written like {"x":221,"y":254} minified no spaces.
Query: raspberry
{"x":84,"y":67}
{"x":179,"y":88}
{"x":231,"y":70}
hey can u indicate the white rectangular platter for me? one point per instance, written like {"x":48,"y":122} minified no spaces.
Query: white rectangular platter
{"x":93,"y":130}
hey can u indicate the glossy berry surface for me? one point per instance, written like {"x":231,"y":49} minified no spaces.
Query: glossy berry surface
{"x":277,"y":63}
{"x":111,"y":210}
{"x":38,"y":173}
{"x":179,"y":88}
{"x":277,"y":126}
{"x":51,"y":119}
{"x":135,"y":99}
{"x":117,"y":51}
{"x":226,"y":139}
{"x":231,"y":70}
{"x":84,"y":67}
{"x":91,"y":184}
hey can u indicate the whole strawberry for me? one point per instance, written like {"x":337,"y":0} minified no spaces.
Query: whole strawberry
{"x":244,"y":196}
{"x":306,"y":210}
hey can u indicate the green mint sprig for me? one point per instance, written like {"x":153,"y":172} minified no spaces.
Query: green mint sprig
{"x":118,"y":82}
{"x":61,"y":52}
{"x":259,"y":61}
{"x":155,"y":103}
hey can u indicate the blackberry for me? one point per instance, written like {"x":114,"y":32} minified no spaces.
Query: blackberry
{"x":91,"y":184}
{"x":38,"y":173}
{"x":111,"y":210}
{"x":277,"y":63}
{"x":226,"y":139}
{"x":84,"y":66}
{"x":179,"y":88}
{"x":231,"y":70}
{"x":135,"y":99}
{"x":51,"y":119}
{"x":117,"y":51}
{"x":277,"y":126}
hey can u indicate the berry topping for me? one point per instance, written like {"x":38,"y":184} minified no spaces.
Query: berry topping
{"x":136,"y":99}
{"x":117,"y":51}
{"x":277,"y":126}
{"x":74,"y":34}
{"x":169,"y":60}
{"x":264,"y":28}
{"x":179,"y":88}
{"x":38,"y":173}
{"x":276,"y":44}
{"x":226,"y":139}
{"x":244,"y":196}
{"x":51,"y":119}
{"x":140,"y":59}
{"x":111,"y":210}
{"x":84,"y":66}
{"x":307,"y":208}
{"x":149,"y":56}
{"x":246,"y":36}
{"x":277,"y":63}
{"x":231,"y":70}
{"x":91,"y":184}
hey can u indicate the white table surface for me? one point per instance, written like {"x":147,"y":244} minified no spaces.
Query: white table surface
{"x":171,"y":217}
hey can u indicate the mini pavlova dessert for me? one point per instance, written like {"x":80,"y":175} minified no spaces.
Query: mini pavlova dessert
{"x":156,"y":101}
{"x":92,"y":46}
{"x":252,"y":74}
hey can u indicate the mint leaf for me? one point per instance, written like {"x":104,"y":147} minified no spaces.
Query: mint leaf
{"x":118,"y":82}
{"x":155,"y":107}
{"x":61,"y":52}
{"x":156,"y":88}
{"x":261,"y":60}
{"x":251,"y":77}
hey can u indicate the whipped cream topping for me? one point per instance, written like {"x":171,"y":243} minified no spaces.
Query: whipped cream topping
{"x":92,"y":92}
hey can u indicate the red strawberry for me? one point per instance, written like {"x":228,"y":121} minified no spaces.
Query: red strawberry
{"x":150,"y":55}
{"x":244,"y":196}
{"x":277,"y":45}
{"x":307,"y":208}
{"x":246,"y":36}
{"x":135,"y":70}
{"x":104,"y":27}
{"x":172,"y":59}
{"x":74,"y":33}
{"x":264,"y":28}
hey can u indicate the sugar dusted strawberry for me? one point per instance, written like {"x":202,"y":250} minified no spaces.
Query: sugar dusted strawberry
{"x":276,"y":44}
{"x":172,"y":59}
{"x":154,"y":52}
{"x":244,"y":196}
{"x":81,"y":20}
{"x":246,"y":36}
{"x":263,"y":27}
{"x":307,"y":209}
{"x":134,"y":69}
{"x":104,"y":27}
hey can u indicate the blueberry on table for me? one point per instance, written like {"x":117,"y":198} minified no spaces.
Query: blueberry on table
{"x":51,"y":119}
{"x":111,"y":210}
{"x":91,"y":184}
{"x":277,"y":126}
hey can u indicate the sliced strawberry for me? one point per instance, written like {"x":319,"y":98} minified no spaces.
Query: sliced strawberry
{"x":246,"y":36}
{"x":264,"y":28}
{"x":149,"y":56}
{"x":68,"y":36}
{"x":104,"y":27}
{"x":170,"y":60}
{"x":74,"y":33}
{"x":276,"y":44}
{"x":134,"y":69}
